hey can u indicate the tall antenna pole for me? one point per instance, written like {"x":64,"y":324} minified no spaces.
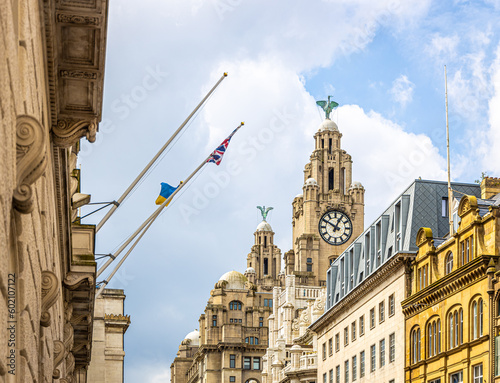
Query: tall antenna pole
{"x":450,"y":192}
{"x":148,"y":166}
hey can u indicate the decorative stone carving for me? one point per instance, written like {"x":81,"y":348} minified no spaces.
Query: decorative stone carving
{"x":59,"y":353}
{"x":68,"y":131}
{"x":467,"y":203}
{"x":50,"y":292}
{"x":74,"y":280}
{"x":304,"y":317}
{"x":77,"y":19}
{"x":78,"y":74}
{"x":424,"y":234}
{"x":31,"y":160}
{"x":295,"y":325}
{"x":319,"y":303}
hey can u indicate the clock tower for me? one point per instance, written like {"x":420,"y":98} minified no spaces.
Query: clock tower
{"x":329,"y":213}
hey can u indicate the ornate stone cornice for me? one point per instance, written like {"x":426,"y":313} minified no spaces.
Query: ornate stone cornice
{"x":452,"y":283}
{"x":31,"y":160}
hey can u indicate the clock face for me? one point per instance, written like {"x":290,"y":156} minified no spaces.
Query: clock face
{"x":335,"y":227}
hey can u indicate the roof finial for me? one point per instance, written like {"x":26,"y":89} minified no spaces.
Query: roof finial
{"x":264,"y":211}
{"x":327,"y":106}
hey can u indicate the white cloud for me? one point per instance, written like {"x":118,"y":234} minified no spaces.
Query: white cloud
{"x":443,"y":48}
{"x":491,"y":140}
{"x":386,"y":157}
{"x":402,"y":91}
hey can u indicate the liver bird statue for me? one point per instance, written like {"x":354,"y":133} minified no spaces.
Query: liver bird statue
{"x":264,"y":211}
{"x":327,"y":106}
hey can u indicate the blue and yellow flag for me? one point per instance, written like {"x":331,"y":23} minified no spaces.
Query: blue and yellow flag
{"x":166,"y":191}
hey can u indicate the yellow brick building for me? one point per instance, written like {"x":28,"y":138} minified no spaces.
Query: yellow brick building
{"x":449,"y":311}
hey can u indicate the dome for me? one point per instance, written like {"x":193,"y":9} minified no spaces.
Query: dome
{"x":356,"y":185}
{"x":193,"y":338}
{"x":250,"y":270}
{"x":264,"y":226}
{"x":234,"y":280}
{"x":311,"y":182}
{"x":299,"y":195}
{"x":328,"y":125}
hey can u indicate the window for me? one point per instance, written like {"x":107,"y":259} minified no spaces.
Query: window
{"x":372,"y":318}
{"x":392,"y":347}
{"x":232,"y":361}
{"x":346,"y":371}
{"x":309,"y":264}
{"x":214,"y":320}
{"x":391,"y":305}
{"x":444,"y":207}
{"x":324,"y":351}
{"x":234,"y":305}
{"x":381,"y":312}
{"x":415,"y":345}
{"x":477,"y":319}
{"x":353,"y":331}
{"x":435,"y":381}
{"x":449,"y":263}
{"x":361,"y":364}
{"x":232,"y":378}
{"x":346,"y":336}
{"x":382,"y":352}
{"x":256,"y":363}
{"x":456,"y":377}
{"x":330,"y":373}
{"x":268,"y":303}
{"x":330,"y":179}
{"x":478,"y":373}
{"x":330,"y":346}
{"x":354,"y":368}
{"x":337,"y":342}
{"x":324,"y":378}
{"x":261,"y":321}
{"x":247,"y":362}
{"x":455,"y":328}
{"x":361,"y":325}
{"x":373,"y":358}
{"x":337,"y":374}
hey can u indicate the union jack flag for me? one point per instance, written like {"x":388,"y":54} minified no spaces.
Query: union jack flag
{"x":216,"y":156}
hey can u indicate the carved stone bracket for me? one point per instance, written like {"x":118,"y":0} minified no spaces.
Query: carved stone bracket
{"x":74,"y":280}
{"x":31,"y":160}
{"x":50,"y":292}
{"x":59,"y":353}
{"x":68,"y":131}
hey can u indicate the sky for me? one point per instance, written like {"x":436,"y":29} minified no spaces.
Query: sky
{"x":382,"y":61}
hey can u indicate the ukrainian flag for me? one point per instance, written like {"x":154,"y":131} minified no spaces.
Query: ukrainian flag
{"x":166,"y":191}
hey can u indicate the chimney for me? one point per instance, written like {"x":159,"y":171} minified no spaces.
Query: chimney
{"x":490,"y":186}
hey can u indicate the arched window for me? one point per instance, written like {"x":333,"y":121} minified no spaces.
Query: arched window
{"x":438,"y":336}
{"x":234,"y":305}
{"x":429,"y":340}
{"x":450,"y":333}
{"x":449,"y":263}
{"x":474,"y":320}
{"x":415,"y":345}
{"x":461,"y":327}
{"x":480,"y":307}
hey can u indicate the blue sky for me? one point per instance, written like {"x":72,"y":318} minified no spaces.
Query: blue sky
{"x":382,"y":61}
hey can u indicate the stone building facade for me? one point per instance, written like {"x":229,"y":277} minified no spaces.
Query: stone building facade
{"x":451,"y":315}
{"x":361,"y":336}
{"x":233,"y":332}
{"x":110,"y":325}
{"x":51,"y":80}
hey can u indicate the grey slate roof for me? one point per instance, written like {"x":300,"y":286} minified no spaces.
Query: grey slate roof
{"x":395,"y":230}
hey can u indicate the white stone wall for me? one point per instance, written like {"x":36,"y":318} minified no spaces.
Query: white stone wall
{"x":395,"y":284}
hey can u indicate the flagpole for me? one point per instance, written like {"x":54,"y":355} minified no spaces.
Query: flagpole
{"x":450,"y":192}
{"x":148,"y":166}
{"x":153,"y":216}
